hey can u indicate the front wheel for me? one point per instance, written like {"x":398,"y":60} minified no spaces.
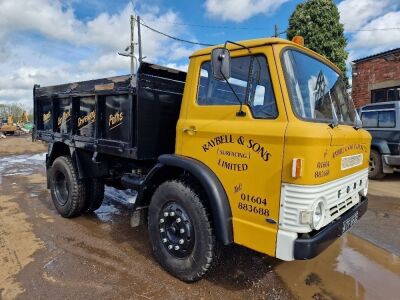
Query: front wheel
{"x":375,"y":170}
{"x":180,"y":230}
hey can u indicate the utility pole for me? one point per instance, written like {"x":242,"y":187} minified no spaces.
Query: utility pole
{"x":131,"y":48}
{"x":276,"y":31}
{"x":132,"y":52}
{"x":139,"y":40}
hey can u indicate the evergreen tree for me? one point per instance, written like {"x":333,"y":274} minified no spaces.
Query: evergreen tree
{"x":318,"y":21}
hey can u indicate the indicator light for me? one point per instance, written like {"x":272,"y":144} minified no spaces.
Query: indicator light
{"x":298,"y":39}
{"x":297,"y":167}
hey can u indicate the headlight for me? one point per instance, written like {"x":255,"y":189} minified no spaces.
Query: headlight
{"x":318,"y":214}
{"x":364,"y":190}
{"x":313,"y":217}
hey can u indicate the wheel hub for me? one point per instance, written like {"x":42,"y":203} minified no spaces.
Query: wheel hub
{"x":176,"y":230}
{"x":371,"y":165}
{"x":61,"y":188}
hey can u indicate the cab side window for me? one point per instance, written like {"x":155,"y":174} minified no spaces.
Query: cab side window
{"x":387,"y":119}
{"x":370,"y":119}
{"x":249,"y":79}
{"x":378,"y":119}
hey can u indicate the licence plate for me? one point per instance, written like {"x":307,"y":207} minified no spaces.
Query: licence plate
{"x":350,"y":222}
{"x":352,"y":161}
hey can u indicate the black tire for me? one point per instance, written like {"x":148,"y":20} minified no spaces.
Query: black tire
{"x":375,"y":170}
{"x":67,"y":191}
{"x":198,"y":250}
{"x":94,"y":194}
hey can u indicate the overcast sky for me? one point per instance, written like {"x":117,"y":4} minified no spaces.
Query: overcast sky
{"x":56,"y":41}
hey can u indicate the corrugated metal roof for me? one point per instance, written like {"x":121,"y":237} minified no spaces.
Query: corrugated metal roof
{"x":377,"y":55}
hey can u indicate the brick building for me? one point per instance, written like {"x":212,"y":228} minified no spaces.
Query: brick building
{"x":376,"y":78}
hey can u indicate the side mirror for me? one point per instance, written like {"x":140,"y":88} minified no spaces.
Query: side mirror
{"x":221,"y":63}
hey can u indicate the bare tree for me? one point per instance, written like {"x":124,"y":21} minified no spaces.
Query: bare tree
{"x":14,"y":109}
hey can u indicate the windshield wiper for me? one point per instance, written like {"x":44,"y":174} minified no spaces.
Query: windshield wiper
{"x":333,"y":125}
{"x":335,"y":122}
{"x":358,"y":123}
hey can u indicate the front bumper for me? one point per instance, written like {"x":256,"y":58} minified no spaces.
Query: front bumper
{"x":306,"y":248}
{"x":392,"y":160}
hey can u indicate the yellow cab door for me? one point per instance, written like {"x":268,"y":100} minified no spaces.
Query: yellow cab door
{"x":245,"y":152}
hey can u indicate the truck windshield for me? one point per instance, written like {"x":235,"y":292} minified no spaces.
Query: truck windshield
{"x":317,"y":91}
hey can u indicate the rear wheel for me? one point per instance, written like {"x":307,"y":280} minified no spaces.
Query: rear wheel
{"x":181,"y":230}
{"x":94,"y":194}
{"x":375,"y":165}
{"x":67,"y":191}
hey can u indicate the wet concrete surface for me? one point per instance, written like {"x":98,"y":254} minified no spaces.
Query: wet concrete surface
{"x":381,"y":222}
{"x":43,"y":255}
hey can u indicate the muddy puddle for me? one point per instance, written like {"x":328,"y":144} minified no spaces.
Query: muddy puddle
{"x":351,"y":268}
{"x":32,"y":166}
{"x":21,"y":165}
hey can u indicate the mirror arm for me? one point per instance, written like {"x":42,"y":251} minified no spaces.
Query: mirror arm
{"x":240,"y":113}
{"x":237,"y":44}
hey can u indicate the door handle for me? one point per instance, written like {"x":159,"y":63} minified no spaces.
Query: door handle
{"x":190,"y":130}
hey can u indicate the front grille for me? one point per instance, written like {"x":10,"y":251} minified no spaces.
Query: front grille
{"x":338,"y":195}
{"x":342,"y":206}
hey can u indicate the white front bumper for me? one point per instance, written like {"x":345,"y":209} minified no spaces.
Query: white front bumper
{"x":338,"y":197}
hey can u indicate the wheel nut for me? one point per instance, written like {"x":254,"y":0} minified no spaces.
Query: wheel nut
{"x":181,"y":241}
{"x":172,"y":213}
{"x":176,"y":247}
{"x":161,"y":229}
{"x":170,"y":247}
{"x":178,"y":220}
{"x":161,"y":220}
{"x":164,"y":240}
{"x":166,"y":214}
{"x":182,"y":230}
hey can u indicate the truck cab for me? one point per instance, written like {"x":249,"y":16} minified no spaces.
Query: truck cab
{"x":267,"y":152}
{"x":294,"y":161}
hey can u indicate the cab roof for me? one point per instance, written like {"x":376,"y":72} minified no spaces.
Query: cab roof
{"x":263,"y":42}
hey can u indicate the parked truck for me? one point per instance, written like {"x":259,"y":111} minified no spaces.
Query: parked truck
{"x":382,"y":120}
{"x":257,"y":144}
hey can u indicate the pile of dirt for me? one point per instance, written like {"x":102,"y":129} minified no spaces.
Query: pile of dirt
{"x":20,"y":144}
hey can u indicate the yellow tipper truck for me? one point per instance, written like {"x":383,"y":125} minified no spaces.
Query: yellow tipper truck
{"x":258,"y":144}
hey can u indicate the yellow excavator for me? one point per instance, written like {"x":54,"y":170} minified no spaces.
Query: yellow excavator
{"x":9,"y":127}
{"x":24,"y":118}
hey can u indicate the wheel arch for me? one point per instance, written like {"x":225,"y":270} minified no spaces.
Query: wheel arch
{"x":82,"y":160}
{"x":380,"y":145}
{"x":55,"y":150}
{"x":171,"y":166}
